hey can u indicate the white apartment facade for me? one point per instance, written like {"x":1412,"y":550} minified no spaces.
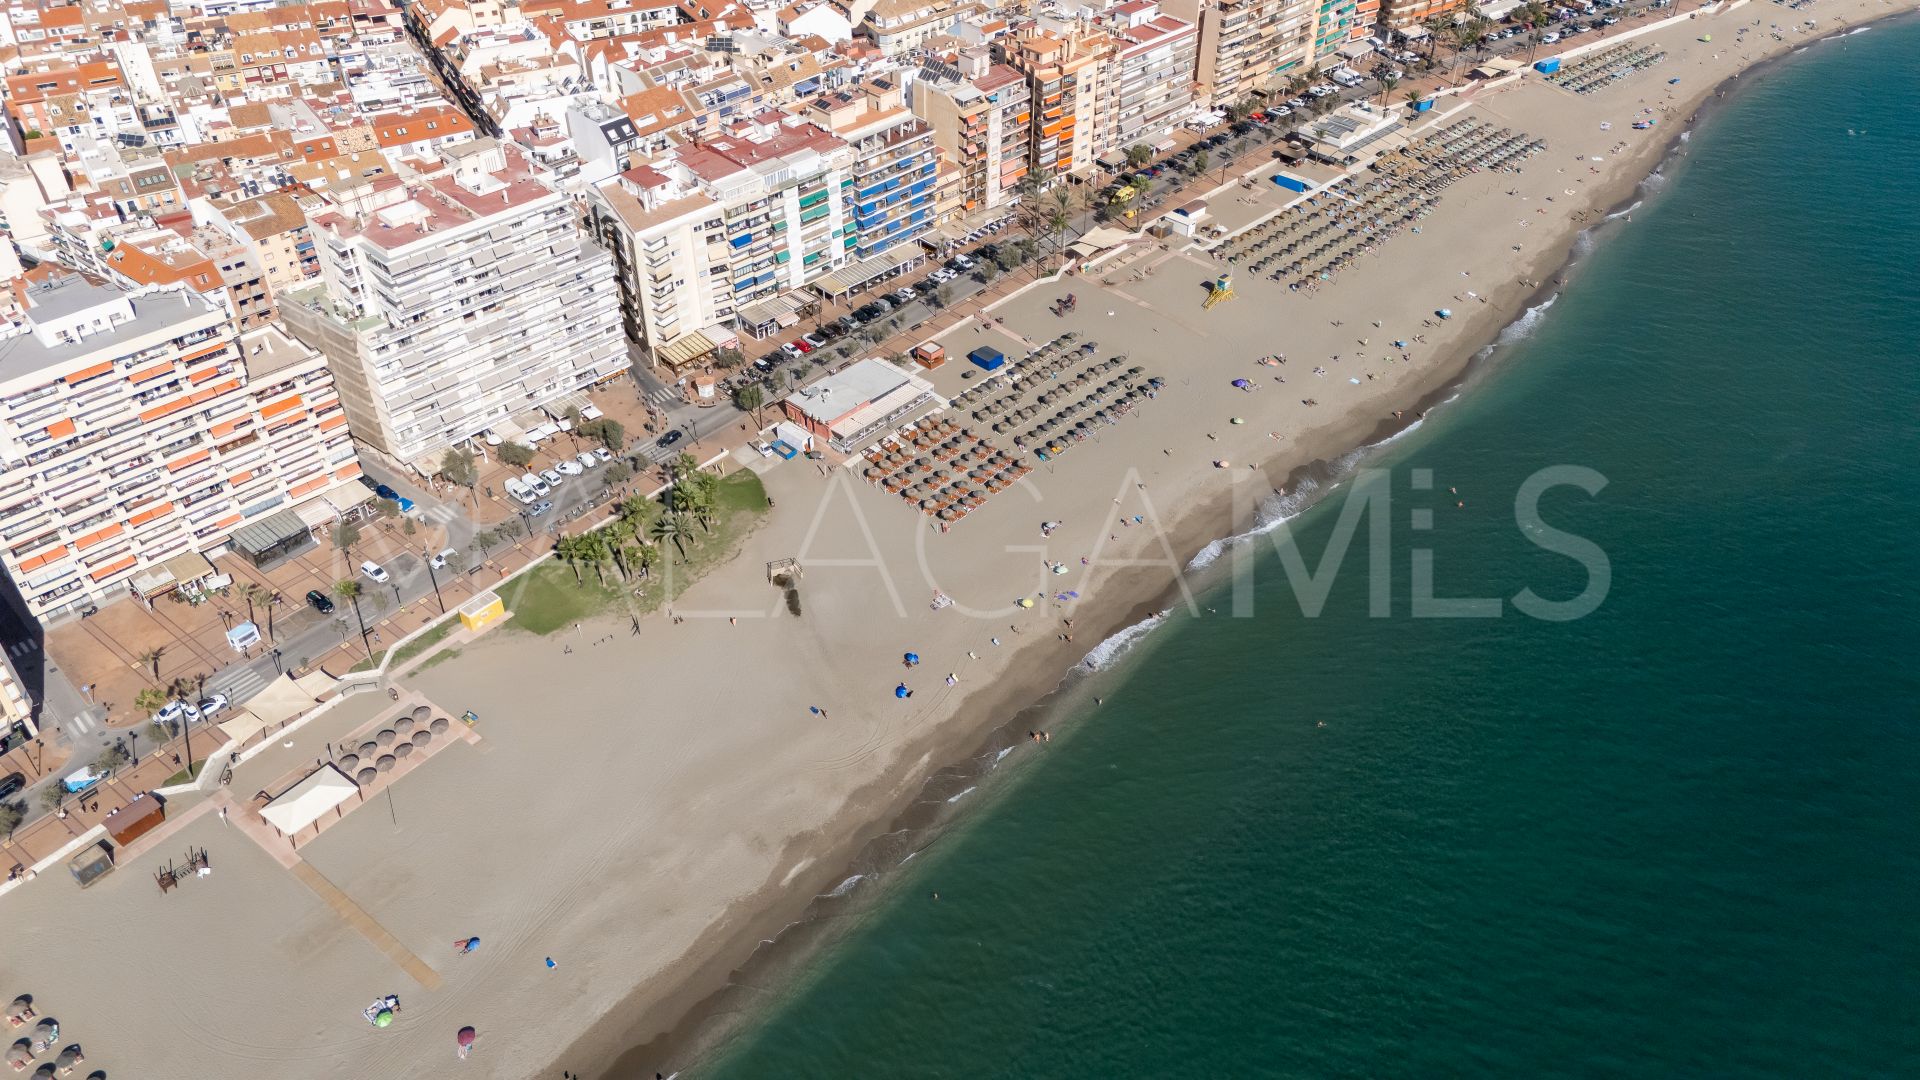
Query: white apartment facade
{"x":706,"y":232}
{"x":137,"y":426}
{"x":458,"y":302}
{"x":1149,"y":81}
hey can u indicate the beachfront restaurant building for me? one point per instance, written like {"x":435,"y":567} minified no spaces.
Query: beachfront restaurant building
{"x":856,"y":405}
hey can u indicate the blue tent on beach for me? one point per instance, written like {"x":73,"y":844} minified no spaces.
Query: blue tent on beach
{"x":987,"y":359}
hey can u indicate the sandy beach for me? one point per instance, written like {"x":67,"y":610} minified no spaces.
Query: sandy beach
{"x":651,"y":800}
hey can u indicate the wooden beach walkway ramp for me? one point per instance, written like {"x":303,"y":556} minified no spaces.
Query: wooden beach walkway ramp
{"x":357,"y":917}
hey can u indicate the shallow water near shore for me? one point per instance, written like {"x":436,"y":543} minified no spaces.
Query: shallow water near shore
{"x":1675,"y":836}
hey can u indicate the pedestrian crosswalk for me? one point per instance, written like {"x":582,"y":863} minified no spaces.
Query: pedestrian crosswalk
{"x":664,"y":396}
{"x":80,"y":725}
{"x":439,"y":513}
{"x":658,"y":454}
{"x":239,"y":684}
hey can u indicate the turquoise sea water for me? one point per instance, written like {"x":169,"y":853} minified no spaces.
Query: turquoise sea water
{"x":1676,"y":837}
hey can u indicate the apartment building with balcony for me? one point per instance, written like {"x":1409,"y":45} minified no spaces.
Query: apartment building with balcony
{"x":1067,"y":73}
{"x":1246,"y":45}
{"x":455,"y":300}
{"x":891,"y":195}
{"x":981,"y":114}
{"x":1149,"y":80}
{"x":707,"y":232}
{"x":138,"y":425}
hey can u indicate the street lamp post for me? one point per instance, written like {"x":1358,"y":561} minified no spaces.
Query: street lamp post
{"x":431,"y":576}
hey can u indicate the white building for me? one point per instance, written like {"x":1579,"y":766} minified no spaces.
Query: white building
{"x":457,"y":302}
{"x":138,"y":427}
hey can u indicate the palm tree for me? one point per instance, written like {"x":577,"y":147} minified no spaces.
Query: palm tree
{"x":683,"y":464}
{"x":1387,"y":83}
{"x":149,"y":699}
{"x":151,"y":659}
{"x":643,"y":558}
{"x":572,"y":552}
{"x":669,"y":527}
{"x":349,"y":589}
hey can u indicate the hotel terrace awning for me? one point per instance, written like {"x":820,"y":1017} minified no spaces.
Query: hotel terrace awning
{"x":684,"y":351}
{"x":780,"y":310}
{"x":302,"y":804}
{"x":270,"y":536}
{"x":848,"y":278}
{"x":169,"y":573}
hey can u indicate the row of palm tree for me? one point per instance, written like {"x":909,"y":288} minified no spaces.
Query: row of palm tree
{"x":692,"y":502}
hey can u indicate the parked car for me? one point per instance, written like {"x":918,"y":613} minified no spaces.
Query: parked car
{"x":904,"y":295}
{"x":11,"y":783}
{"x":319,"y":601}
{"x":802,"y":344}
{"x":441,"y":559}
{"x":790,"y":349}
{"x":393,"y":496}
{"x":552,"y":477}
{"x":1550,"y":39}
{"x":814,"y":340}
{"x":602,"y":454}
{"x":173,"y":712}
{"x":847,"y":324}
{"x":541,"y":507}
{"x":587,"y":460}
{"x":212,"y":704}
{"x":669,"y":438}
{"x":961,"y":262}
{"x":569,"y":467}
{"x":375,"y":572}
{"x":534,"y":484}
{"x":518,"y":488}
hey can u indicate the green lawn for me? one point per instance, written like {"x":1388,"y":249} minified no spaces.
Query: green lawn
{"x":440,"y":657}
{"x":424,"y":642}
{"x":555,"y":596}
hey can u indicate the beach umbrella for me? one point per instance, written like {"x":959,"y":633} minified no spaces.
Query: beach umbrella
{"x":466,"y":1037}
{"x":383,"y":1018}
{"x":20,"y":1056}
{"x":911,"y":658}
{"x":902,"y":692}
{"x":1241,"y":384}
{"x":20,"y":1010}
{"x":69,"y":1058}
{"x":1236,"y":420}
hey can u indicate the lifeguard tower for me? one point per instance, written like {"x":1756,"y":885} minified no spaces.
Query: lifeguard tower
{"x":1220,"y":292}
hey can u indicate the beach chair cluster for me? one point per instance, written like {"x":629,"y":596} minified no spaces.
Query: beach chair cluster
{"x":941,"y":468}
{"x":1606,"y":67}
{"x":1309,"y":243}
{"x":41,"y":1040}
{"x":1014,"y":377}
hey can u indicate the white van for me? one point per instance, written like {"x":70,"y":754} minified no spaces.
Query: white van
{"x":533,"y":483}
{"x":519,"y":490}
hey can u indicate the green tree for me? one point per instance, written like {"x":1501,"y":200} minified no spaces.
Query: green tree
{"x":611,"y":433}
{"x":114,"y":756}
{"x":459,"y":466}
{"x":149,"y":699}
{"x":1200,"y":162}
{"x":1387,"y":83}
{"x":618,"y":472}
{"x":728,"y":359}
{"x":1138,"y":155}
{"x":751,"y":398}
{"x":52,"y":796}
{"x":518,"y":455}
{"x":345,"y":535}
{"x":684,"y":464}
{"x":571,"y":551}
{"x":9,"y":818}
{"x":670,"y":527}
